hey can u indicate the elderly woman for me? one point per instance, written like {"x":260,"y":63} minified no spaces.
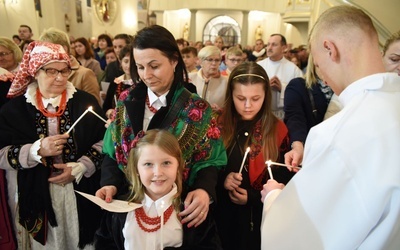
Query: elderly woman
{"x":159,"y":100}
{"x":391,"y":53}
{"x":10,"y":57}
{"x":210,"y":84}
{"x":45,"y":162}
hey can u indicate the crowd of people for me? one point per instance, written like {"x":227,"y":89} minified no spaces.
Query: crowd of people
{"x":219,"y":147}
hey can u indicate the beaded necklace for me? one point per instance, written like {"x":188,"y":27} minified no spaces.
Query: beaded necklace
{"x":61,"y":109}
{"x":152,"y":109}
{"x":141,"y":215}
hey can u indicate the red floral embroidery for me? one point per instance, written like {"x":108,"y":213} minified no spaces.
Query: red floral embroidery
{"x":195,"y":114}
{"x":213,"y":133}
{"x":201,"y":104}
{"x":185,"y":173}
{"x":200,"y":155}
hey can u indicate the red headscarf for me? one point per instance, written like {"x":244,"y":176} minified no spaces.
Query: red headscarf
{"x":37,"y":55}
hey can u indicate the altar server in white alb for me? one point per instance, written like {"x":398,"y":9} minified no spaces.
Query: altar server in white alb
{"x":347,"y":196}
{"x":280,"y":71}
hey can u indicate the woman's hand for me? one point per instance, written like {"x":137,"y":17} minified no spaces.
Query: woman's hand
{"x":52,"y":145}
{"x":197,"y":204}
{"x":107,"y":193}
{"x":238,"y":196}
{"x":232,"y":181}
{"x":65,"y":177}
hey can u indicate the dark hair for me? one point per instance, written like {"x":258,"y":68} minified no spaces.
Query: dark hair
{"x":107,"y":38}
{"x":249,"y":73}
{"x":188,"y":50}
{"x":26,"y":26}
{"x":125,"y":51}
{"x":128,"y":38}
{"x":17,"y":37}
{"x":88,"y":49}
{"x":158,"y":37}
{"x":283,"y":39}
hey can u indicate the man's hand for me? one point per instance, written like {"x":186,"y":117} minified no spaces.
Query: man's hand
{"x":269,"y":186}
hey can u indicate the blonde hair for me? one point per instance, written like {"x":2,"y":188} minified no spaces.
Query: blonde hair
{"x":233,"y":51}
{"x":342,"y":21}
{"x":393,"y":38}
{"x":310,"y":76}
{"x":53,"y":35}
{"x":208,"y":51}
{"x":167,"y":143}
{"x":10,"y":45}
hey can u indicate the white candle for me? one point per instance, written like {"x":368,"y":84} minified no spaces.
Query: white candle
{"x":93,"y":112}
{"x":244,"y":159}
{"x":162,"y":224}
{"x":76,"y":122}
{"x":282,"y":165}
{"x":269,"y":162}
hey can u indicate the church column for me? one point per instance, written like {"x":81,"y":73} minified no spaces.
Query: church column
{"x":159,"y":17}
{"x":192,"y":27}
{"x":245,"y":29}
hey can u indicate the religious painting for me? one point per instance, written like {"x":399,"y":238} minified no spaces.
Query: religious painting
{"x":78,"y":5}
{"x":89,"y":3}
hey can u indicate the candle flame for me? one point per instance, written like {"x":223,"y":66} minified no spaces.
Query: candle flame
{"x":247,"y":149}
{"x":269,"y":162}
{"x":90,"y":108}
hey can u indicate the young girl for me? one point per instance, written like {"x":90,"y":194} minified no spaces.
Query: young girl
{"x":155,"y":172}
{"x":248,"y":121}
{"x":122,"y":82}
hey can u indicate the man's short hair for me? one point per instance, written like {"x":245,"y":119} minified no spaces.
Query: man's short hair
{"x":26,"y":26}
{"x":283,"y":39}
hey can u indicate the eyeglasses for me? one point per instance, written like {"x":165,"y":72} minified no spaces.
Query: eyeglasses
{"x":235,"y":60}
{"x":54,"y":72}
{"x":210,"y":60}
{"x":4,"y":54}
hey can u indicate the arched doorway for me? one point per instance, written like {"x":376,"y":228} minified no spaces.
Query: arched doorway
{"x":225,"y":27}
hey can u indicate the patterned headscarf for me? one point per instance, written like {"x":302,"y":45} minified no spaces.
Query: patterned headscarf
{"x":37,"y":55}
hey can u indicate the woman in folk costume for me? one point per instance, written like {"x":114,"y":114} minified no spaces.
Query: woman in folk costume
{"x":160,"y":100}
{"x":248,"y":121}
{"x":50,"y":163}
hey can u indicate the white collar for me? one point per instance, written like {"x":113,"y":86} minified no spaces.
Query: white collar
{"x":161,"y":204}
{"x":153,"y":98}
{"x":30,"y":95}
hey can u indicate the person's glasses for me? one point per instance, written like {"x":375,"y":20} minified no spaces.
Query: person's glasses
{"x":4,"y":54}
{"x":235,"y":60}
{"x":210,"y":60}
{"x":54,"y":72}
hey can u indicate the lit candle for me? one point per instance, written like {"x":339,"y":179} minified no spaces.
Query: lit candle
{"x":269,"y":162}
{"x":76,"y":122}
{"x":244,"y":159}
{"x":282,"y":165}
{"x":101,"y":118}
